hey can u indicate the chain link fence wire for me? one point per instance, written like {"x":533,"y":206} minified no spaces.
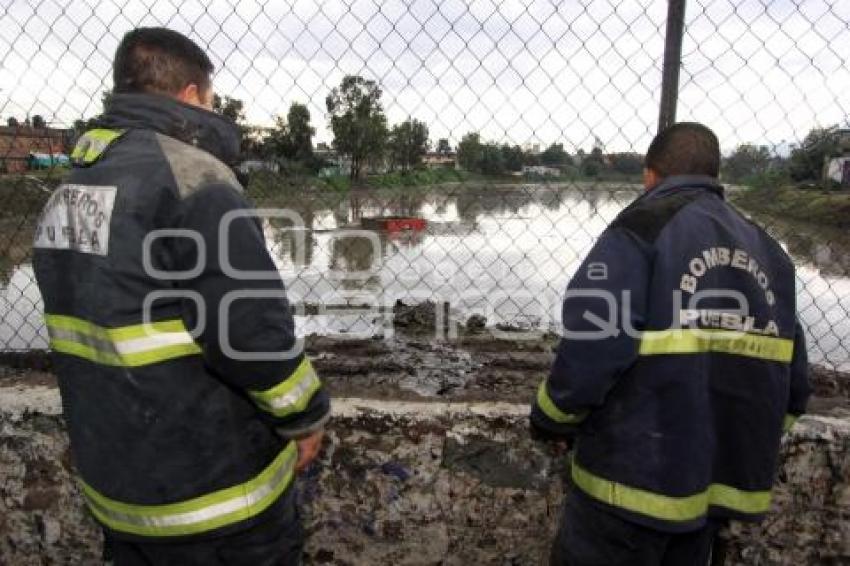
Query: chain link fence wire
{"x":536,"y":116}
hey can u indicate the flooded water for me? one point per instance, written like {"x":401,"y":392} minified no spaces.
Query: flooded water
{"x":506,"y":253}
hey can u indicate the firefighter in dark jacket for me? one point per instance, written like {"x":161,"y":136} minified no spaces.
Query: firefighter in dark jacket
{"x":682,"y":361}
{"x":189,"y":403}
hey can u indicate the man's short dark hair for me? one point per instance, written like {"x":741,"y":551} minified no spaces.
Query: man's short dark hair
{"x":686,"y":148}
{"x":159,"y":60}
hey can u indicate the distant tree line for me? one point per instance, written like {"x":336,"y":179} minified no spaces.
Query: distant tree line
{"x":804,"y":163}
{"x":363,"y":137}
{"x":37,"y":121}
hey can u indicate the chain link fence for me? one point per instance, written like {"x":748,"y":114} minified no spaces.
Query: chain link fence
{"x":512,"y":132}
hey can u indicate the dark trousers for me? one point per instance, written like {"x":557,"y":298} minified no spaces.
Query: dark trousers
{"x":276,"y":541}
{"x":590,"y":535}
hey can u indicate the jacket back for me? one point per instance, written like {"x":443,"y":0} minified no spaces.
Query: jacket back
{"x":173,"y":414}
{"x":678,"y":398}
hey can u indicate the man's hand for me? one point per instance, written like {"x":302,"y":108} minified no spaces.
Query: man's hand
{"x":308,"y":449}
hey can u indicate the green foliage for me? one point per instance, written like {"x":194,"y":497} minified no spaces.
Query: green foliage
{"x":291,"y":141}
{"x":408,"y":143}
{"x":443,"y":147}
{"x":229,"y":107}
{"x":358,"y":121}
{"x":469,"y":151}
{"x":826,"y":208}
{"x":807,"y":161}
{"x":513,"y":158}
{"x":626,"y":163}
{"x":593,"y":164}
{"x":746,"y":161}
{"x":418,"y":178}
{"x":488,"y":158}
{"x":491,"y":161}
{"x":555,"y":156}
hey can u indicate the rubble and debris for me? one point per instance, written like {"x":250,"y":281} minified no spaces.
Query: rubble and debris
{"x":426,"y":476}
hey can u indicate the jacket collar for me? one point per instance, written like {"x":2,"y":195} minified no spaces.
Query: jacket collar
{"x":201,"y":128}
{"x":686,"y":182}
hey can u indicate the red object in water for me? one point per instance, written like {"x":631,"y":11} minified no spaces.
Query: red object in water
{"x":393,"y":224}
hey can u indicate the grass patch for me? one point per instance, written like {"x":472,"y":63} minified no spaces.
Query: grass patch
{"x":828,"y":208}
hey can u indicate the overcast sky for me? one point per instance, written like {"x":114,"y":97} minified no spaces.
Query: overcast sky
{"x":518,"y":71}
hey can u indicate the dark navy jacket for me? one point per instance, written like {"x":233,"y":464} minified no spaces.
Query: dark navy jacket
{"x":681,"y":361}
{"x":179,"y":424}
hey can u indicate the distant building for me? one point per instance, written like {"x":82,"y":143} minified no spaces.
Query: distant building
{"x":334,"y":163}
{"x":18,"y":144}
{"x":252,"y":165}
{"x":435,"y":160}
{"x":540,"y":171}
{"x":837,"y":164}
{"x":531,"y":148}
{"x":47,"y":160}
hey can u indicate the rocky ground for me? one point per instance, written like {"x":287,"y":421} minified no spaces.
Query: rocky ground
{"x":428,"y":462}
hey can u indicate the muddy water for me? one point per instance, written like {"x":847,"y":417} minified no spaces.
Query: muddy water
{"x":506,"y":253}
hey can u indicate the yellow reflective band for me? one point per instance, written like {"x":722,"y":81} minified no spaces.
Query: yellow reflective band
{"x":293,"y":394}
{"x":788,"y":422}
{"x":544,"y":401}
{"x":665,"y":507}
{"x":92,"y":144}
{"x":127,"y":346}
{"x":201,"y":514}
{"x":700,"y":340}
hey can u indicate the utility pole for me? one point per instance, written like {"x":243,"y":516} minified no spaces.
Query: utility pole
{"x":672,"y":63}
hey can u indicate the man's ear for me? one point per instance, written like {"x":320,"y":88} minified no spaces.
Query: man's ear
{"x":650,"y":178}
{"x":192,"y":94}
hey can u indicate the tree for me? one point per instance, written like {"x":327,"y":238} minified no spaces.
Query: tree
{"x":512,"y":157}
{"x":443,"y":147}
{"x":300,"y":132}
{"x":594,"y":163}
{"x":491,"y":161}
{"x":292,"y":138}
{"x":807,"y":161}
{"x":357,"y":121}
{"x":627,"y":163}
{"x":12,"y":122}
{"x":530,"y":158}
{"x":229,"y":107}
{"x":39,"y":122}
{"x":408,"y":143}
{"x":747,"y":160}
{"x":555,"y":156}
{"x":469,"y":151}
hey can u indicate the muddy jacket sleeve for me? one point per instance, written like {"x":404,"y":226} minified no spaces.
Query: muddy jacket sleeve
{"x":800,"y":388}
{"x":248,"y":337}
{"x":603,"y":308}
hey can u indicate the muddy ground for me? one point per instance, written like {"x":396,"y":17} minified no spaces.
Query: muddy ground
{"x":490,"y":365}
{"x":428,"y":461}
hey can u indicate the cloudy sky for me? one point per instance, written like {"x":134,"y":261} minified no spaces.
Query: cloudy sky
{"x":516,"y":70}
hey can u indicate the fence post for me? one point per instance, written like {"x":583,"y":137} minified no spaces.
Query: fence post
{"x":672,"y":63}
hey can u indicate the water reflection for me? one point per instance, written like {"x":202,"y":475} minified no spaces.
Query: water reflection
{"x":505,"y":252}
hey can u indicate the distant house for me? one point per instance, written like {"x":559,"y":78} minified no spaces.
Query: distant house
{"x":47,"y":160}
{"x":19,"y":143}
{"x":252,"y":165}
{"x":435,"y":160}
{"x":540,"y":171}
{"x":837,"y":163}
{"x":334,"y":163}
{"x":531,"y":148}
